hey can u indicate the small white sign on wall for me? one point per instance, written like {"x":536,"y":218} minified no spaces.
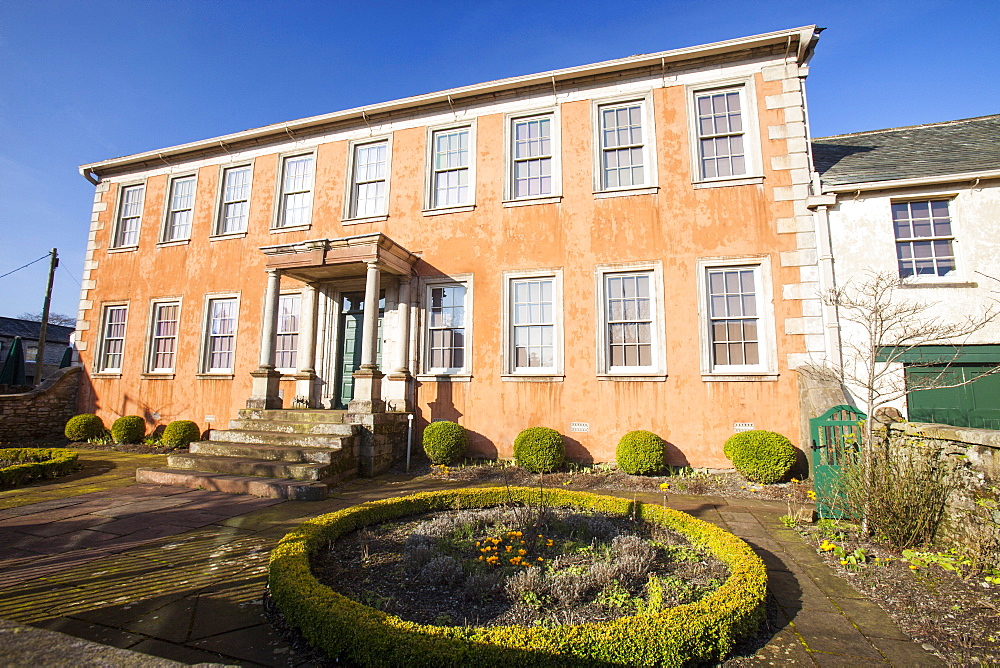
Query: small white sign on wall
{"x":579,"y":426}
{"x":209,"y":418}
{"x":742,"y":426}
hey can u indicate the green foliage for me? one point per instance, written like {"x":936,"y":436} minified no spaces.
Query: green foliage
{"x":539,"y":449}
{"x":445,"y":442}
{"x":640,"y":452}
{"x":761,"y":456}
{"x":703,"y":631}
{"x":789,"y":521}
{"x":179,"y":433}
{"x":21,"y":465}
{"x":128,"y":429}
{"x":949,"y":561}
{"x":83,"y":427}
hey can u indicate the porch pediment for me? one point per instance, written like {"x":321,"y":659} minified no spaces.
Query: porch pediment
{"x":325,"y":259}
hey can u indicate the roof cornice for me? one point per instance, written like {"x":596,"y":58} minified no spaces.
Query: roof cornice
{"x":803,"y":40}
{"x":907,"y":183}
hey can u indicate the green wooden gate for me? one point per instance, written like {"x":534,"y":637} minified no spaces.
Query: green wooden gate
{"x":835,"y":437}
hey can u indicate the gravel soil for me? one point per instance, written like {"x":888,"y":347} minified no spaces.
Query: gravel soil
{"x":134,"y":448}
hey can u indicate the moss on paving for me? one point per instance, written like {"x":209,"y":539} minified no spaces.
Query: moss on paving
{"x":100,"y":470}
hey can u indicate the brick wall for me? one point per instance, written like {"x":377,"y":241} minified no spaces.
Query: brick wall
{"x":41,"y":414}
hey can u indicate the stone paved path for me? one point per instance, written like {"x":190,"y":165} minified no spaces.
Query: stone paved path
{"x":178,"y":574}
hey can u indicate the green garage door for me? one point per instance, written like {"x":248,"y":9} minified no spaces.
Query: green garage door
{"x":976,"y":404}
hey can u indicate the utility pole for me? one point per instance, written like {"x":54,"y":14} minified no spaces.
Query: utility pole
{"x":40,"y":357}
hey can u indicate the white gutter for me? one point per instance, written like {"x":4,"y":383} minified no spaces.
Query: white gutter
{"x":804,"y":34}
{"x":917,"y":181}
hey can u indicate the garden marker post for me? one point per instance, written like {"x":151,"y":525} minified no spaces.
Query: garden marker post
{"x":836,"y":435}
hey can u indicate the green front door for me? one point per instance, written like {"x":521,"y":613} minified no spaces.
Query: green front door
{"x":835,"y":437}
{"x":352,"y":315}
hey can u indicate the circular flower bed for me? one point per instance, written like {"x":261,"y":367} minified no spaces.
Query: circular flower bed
{"x":21,"y":465}
{"x":703,"y":630}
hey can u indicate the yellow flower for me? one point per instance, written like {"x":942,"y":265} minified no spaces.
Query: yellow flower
{"x":522,"y":552}
{"x":811,"y":494}
{"x":515,"y":560}
{"x":664,"y":485}
{"x":796,"y":480}
{"x":912,"y":567}
{"x":541,"y":536}
{"x":482,"y":558}
{"x":843,"y":562}
{"x":509,"y":548}
{"x":540,"y":559}
{"x":549,"y":543}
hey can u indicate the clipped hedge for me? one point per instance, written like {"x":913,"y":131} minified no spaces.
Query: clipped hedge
{"x":640,"y":452}
{"x":84,"y":427}
{"x":180,"y":433}
{"x":128,"y":429}
{"x":35,"y":464}
{"x":445,"y":442}
{"x":761,"y":456}
{"x":539,"y":449}
{"x":347,"y":630}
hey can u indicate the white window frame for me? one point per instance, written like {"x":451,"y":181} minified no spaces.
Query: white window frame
{"x":102,"y":348}
{"x":350,"y":216}
{"x":510,"y":372}
{"x":278,"y":220}
{"x":767,"y":367}
{"x":168,"y":210}
{"x":298,"y":331}
{"x":751,"y":132}
{"x":552,"y":113}
{"x":650,"y":183}
{"x":115,"y":242}
{"x":456,"y":373}
{"x":154,"y":307}
{"x":430,"y":194}
{"x":220,"y":201}
{"x":206,"y":333}
{"x":658,"y":369}
{"x":957,"y":275}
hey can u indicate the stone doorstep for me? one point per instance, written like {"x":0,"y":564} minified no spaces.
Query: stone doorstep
{"x":262,"y":437}
{"x":293,"y":427}
{"x":246,"y":466}
{"x":268,"y":452}
{"x":273,"y":488}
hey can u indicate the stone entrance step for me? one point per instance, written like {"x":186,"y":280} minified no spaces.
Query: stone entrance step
{"x":248,"y":466}
{"x":293,"y":415}
{"x":265,"y":451}
{"x":272,"y":488}
{"x":278,"y":438}
{"x":292,"y":426}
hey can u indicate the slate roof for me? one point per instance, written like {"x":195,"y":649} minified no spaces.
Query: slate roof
{"x":936,"y":149}
{"x":28,"y":329}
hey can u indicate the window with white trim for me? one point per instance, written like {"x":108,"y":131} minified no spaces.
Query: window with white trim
{"x":295,"y":207}
{"x":735,"y":332}
{"x":924,"y":239}
{"x":163,"y":337}
{"x":533,"y":336}
{"x":630,"y":321}
{"x":129,"y":216}
{"x":723,"y":133}
{"x":112,"y":346}
{"x":369,"y":180}
{"x":234,"y":203}
{"x":447,"y":343}
{"x":624,"y":140}
{"x":286,"y":345}
{"x":180,"y":208}
{"x":532,"y":157}
{"x":450,"y":172}
{"x":220,"y":335}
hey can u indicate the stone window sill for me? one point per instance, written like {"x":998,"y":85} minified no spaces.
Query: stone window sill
{"x":231,"y":235}
{"x":123,"y":249}
{"x":157,"y":376}
{"x":554,"y":199}
{"x":653,"y":377}
{"x":106,"y":374}
{"x":739,"y":378}
{"x":369,"y":219}
{"x":451,"y":209}
{"x":603,"y":194}
{"x":296,"y":228}
{"x":444,"y":377}
{"x":917,"y":285}
{"x":524,"y":378}
{"x":214,"y":376}
{"x":723,"y":183}
{"x":175,"y":242}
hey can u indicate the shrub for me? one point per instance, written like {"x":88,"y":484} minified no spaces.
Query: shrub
{"x":180,"y":433}
{"x":128,"y":429}
{"x":21,"y":465}
{"x":84,"y":426}
{"x":445,"y":442}
{"x":761,"y":456}
{"x":539,"y":449}
{"x":640,"y":452}
{"x":703,"y":631}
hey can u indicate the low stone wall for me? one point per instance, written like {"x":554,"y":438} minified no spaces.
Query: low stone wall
{"x":973,"y":510}
{"x":41,"y":414}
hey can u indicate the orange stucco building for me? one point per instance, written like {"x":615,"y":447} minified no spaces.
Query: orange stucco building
{"x":603,"y":248}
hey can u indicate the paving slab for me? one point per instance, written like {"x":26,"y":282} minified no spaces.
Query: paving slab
{"x":30,"y":647}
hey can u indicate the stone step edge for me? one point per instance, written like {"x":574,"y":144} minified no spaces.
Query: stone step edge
{"x":271,"y":488}
{"x":282,"y":435}
{"x":261,"y":422}
{"x":311,"y":471}
{"x":262,"y":446}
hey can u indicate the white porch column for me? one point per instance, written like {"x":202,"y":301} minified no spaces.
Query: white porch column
{"x":305,"y":374}
{"x":368,"y":378}
{"x":264,"y":393}
{"x":397,"y":387}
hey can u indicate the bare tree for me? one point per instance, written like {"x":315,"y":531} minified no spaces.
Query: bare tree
{"x":54,"y":318}
{"x":884,"y":330}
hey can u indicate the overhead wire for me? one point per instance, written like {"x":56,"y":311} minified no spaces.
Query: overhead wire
{"x":25,"y":265}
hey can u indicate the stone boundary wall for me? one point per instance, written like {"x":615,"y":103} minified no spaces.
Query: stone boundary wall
{"x":973,"y":511}
{"x":41,"y":414}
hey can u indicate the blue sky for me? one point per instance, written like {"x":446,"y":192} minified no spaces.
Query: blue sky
{"x":86,"y":81}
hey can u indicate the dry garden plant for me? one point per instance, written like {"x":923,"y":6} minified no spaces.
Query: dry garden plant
{"x":512,"y":565}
